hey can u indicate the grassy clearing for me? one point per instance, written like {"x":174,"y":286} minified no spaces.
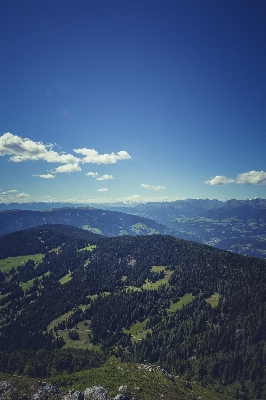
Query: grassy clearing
{"x":84,"y":341}
{"x":140,"y":228}
{"x":164,"y":281}
{"x":94,"y":230}
{"x":65,"y":278}
{"x":15,"y":262}
{"x":138,"y":331}
{"x":27,"y":285}
{"x":213,"y":300}
{"x":154,"y":285}
{"x":59,"y":319}
{"x":187,"y":298}
{"x":4,"y":295}
{"x":88,"y":248}
{"x":158,"y":268}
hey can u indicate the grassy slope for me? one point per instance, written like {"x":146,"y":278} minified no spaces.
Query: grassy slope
{"x":141,"y":383}
{"x":15,"y":262}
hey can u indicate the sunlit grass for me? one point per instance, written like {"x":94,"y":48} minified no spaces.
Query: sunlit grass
{"x":15,"y":262}
{"x":88,"y":248}
{"x":187,"y":298}
{"x":213,"y":300}
{"x":137,"y":330}
{"x":65,"y":278}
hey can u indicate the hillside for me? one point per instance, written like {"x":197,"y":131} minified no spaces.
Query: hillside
{"x":235,"y":225}
{"x":108,"y":223}
{"x":76,"y":300}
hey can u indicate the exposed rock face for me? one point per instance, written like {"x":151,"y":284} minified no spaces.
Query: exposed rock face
{"x":46,"y":391}
{"x":6,"y":389}
{"x":95,"y":393}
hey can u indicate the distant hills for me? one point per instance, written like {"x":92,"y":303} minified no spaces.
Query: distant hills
{"x":235,"y":225}
{"x":108,"y":223}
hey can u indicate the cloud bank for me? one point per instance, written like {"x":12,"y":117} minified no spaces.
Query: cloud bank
{"x":12,"y":196}
{"x":247,"y":178}
{"x":20,"y":149}
{"x":23,"y":149}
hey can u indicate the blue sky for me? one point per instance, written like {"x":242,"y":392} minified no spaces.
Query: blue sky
{"x":116,"y":100}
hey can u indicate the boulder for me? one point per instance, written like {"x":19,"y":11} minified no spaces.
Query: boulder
{"x":6,"y":389}
{"x":95,"y":393}
{"x":46,"y":391}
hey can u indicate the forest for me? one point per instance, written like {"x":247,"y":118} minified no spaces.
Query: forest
{"x":195,"y":310}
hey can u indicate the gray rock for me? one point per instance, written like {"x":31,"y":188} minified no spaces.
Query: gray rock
{"x":95,"y":393}
{"x":46,"y":391}
{"x":6,"y":389}
{"x":74,"y":395}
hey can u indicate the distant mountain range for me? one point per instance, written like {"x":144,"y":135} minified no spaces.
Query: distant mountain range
{"x":235,"y":225}
{"x":104,"y":222}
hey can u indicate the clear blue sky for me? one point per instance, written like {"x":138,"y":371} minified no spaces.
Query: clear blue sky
{"x":110,"y":100}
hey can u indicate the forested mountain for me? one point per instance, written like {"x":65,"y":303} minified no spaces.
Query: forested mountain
{"x":236,"y":225}
{"x":77,"y":299}
{"x":109,"y":223}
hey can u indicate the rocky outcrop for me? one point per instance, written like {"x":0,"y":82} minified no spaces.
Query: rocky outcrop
{"x":45,"y":391}
{"x":74,"y":395}
{"x":95,"y":393}
{"x":6,"y":390}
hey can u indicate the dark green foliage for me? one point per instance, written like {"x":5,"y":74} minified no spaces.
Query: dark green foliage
{"x":45,"y":363}
{"x":222,"y":344}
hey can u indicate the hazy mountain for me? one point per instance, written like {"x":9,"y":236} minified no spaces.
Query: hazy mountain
{"x":235,"y":225}
{"x":109,"y":223}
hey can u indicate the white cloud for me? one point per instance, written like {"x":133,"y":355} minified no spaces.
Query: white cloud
{"x":23,"y":196}
{"x":25,"y":149}
{"x":67,"y":168}
{"x":11,"y":191}
{"x":105,"y":177}
{"x":152,"y":187}
{"x":92,"y":156}
{"x":247,"y":178}
{"x":102,"y":190}
{"x":93,"y":174}
{"x":252,"y":178}
{"x":46,"y":176}
{"x":219,"y":180}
